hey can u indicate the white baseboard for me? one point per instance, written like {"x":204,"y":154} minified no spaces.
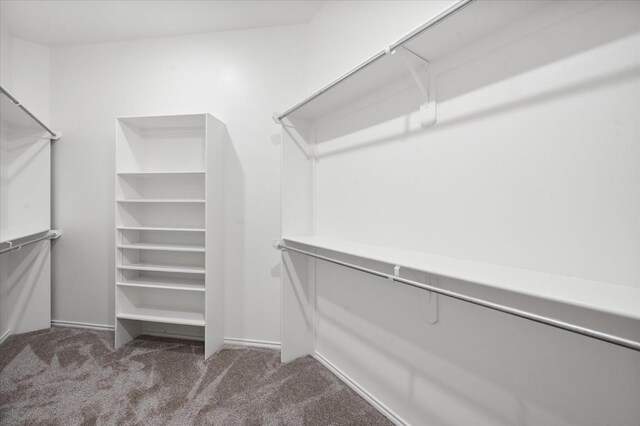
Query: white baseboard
{"x":227,"y":340}
{"x":89,"y":326}
{"x":5,"y":336}
{"x":388,"y":413}
{"x":251,"y":342}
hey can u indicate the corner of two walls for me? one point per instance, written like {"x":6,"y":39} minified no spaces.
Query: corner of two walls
{"x":240,"y":77}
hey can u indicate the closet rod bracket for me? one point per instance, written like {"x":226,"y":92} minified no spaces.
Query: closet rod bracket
{"x":420,"y":70}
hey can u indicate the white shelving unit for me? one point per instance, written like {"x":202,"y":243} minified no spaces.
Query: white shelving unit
{"x":170,"y":228}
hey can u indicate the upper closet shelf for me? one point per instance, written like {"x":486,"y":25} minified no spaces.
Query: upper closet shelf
{"x":15,"y":116}
{"x":599,"y":296}
{"x":456,"y":26}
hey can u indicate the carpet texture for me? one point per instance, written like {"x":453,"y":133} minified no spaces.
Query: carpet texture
{"x":64,"y":376}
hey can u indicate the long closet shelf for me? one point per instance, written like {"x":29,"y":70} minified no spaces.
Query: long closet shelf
{"x":595,"y":295}
{"x":152,"y":228}
{"x":162,"y":174}
{"x":163,"y":268}
{"x":14,"y":115}
{"x":163,"y":314}
{"x":164,"y":283}
{"x":453,"y":28}
{"x":162,"y":200}
{"x":15,"y":236}
{"x":162,"y":247}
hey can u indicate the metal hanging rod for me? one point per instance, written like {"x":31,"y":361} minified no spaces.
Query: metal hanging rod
{"x":51,"y":235}
{"x":12,"y":98}
{"x":457,"y":7}
{"x":594,"y":334}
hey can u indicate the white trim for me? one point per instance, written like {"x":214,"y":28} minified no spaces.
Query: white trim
{"x":227,"y":340}
{"x":5,"y":336}
{"x":73,"y":324}
{"x":386,"y":411}
{"x":251,"y":342}
{"x":173,"y":335}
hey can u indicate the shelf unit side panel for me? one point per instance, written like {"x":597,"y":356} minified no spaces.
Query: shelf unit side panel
{"x":216,"y":137}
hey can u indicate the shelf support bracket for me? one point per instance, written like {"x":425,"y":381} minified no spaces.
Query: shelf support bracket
{"x":419,"y":68}
{"x":430,"y":312}
{"x":430,"y":306}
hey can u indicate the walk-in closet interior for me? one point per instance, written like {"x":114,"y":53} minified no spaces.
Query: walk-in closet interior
{"x":320,"y":212}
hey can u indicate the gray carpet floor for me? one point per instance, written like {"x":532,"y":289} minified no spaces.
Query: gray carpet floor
{"x":64,"y":376}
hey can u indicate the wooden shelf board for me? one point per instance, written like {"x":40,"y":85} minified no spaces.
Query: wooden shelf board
{"x":164,"y":283}
{"x":164,"y":315}
{"x":162,"y":200}
{"x":162,"y":173}
{"x":163,"y":268}
{"x":151,"y":228}
{"x":162,"y":247}
{"x":599,"y":296}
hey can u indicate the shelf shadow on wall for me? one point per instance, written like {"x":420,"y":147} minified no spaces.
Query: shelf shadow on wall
{"x":625,"y":75}
{"x":468,"y":349}
{"x":22,"y":272}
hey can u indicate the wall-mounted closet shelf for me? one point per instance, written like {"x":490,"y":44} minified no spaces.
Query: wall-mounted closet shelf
{"x":463,"y":22}
{"x":15,"y":244}
{"x":16,"y":116}
{"x":610,"y":298}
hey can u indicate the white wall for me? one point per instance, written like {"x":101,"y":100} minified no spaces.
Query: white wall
{"x":24,"y":71}
{"x":345,"y":33}
{"x":533,"y":164}
{"x":239,"y":77}
{"x":25,"y":276}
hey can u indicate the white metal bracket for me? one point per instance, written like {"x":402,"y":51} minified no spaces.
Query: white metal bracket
{"x":430,"y":311}
{"x":419,"y":68}
{"x":279,"y":122}
{"x":431,"y":308}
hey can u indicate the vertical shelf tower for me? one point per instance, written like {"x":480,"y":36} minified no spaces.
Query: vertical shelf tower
{"x":170,"y":228}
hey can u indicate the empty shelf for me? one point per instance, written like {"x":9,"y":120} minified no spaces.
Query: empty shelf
{"x":163,"y":314}
{"x":152,"y":228}
{"x":162,"y":200}
{"x":161,"y":174}
{"x":163,"y":268}
{"x":599,"y":296}
{"x":162,"y":247}
{"x":164,"y":283}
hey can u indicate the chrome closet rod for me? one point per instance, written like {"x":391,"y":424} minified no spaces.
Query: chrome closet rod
{"x":421,"y":29}
{"x":51,"y":235}
{"x":54,"y":135}
{"x":584,"y":331}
